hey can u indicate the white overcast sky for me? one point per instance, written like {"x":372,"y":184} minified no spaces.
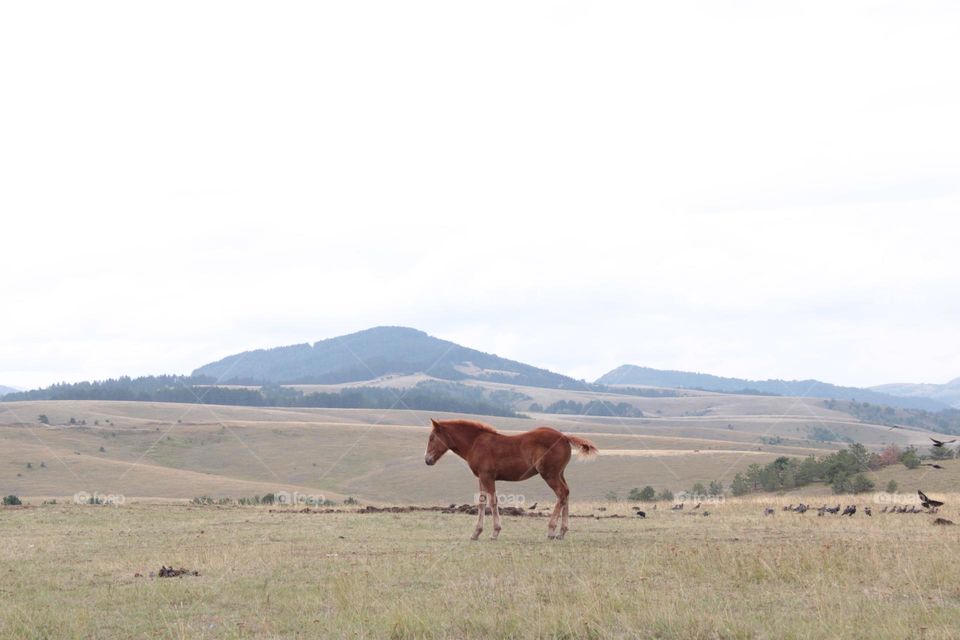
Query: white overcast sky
{"x":766,"y":189}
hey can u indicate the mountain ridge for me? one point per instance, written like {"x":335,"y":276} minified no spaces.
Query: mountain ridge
{"x":947,"y":393}
{"x":629,"y":374}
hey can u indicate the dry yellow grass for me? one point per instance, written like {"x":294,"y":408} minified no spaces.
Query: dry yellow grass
{"x":69,"y":573}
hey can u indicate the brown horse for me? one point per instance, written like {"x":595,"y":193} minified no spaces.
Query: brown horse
{"x":494,"y":456}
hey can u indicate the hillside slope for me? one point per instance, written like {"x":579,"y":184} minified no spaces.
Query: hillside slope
{"x":629,"y":374}
{"x":375,"y":353}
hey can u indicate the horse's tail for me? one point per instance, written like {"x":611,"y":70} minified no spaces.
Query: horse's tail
{"x":587,"y":448}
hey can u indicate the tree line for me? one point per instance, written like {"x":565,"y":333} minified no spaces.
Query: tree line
{"x":425,"y":396}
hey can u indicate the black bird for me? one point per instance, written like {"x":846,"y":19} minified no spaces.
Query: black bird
{"x":698,"y":506}
{"x":867,"y":511}
{"x":927,"y":464}
{"x":940,"y":443}
{"x":641,"y":514}
{"x":927,"y":502}
{"x":835,"y":509}
{"x":850,"y":510}
{"x":768,"y":511}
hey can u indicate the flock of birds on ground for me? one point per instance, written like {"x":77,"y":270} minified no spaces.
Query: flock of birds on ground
{"x":929,"y":505}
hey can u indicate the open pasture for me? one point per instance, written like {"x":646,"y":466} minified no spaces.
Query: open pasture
{"x":70,"y":571}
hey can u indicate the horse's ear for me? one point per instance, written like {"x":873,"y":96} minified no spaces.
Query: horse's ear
{"x":435,"y":423}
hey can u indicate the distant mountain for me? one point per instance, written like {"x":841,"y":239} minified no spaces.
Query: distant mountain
{"x":5,"y":390}
{"x":948,"y":393}
{"x":374,"y":353}
{"x":631,"y":374}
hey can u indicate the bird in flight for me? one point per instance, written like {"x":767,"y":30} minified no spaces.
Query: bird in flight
{"x":927,"y":502}
{"x":940,"y":443}
{"x":928,"y":464}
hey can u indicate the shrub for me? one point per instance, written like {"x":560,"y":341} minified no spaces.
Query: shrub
{"x":665,"y":495}
{"x":11,"y":500}
{"x":739,"y":486}
{"x":860,"y":483}
{"x":892,"y":486}
{"x":910,"y":459}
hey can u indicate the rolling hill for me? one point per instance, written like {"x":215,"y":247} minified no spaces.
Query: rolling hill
{"x":629,"y":374}
{"x":5,"y":390}
{"x":375,"y":353}
{"x":170,"y":450}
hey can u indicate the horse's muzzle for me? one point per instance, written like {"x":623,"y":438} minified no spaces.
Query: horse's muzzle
{"x":429,"y":460}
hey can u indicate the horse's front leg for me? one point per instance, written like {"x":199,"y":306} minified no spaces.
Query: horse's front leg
{"x":481,"y":508}
{"x":490,"y":487}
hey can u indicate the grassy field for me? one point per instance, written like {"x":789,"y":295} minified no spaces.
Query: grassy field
{"x":69,"y":571}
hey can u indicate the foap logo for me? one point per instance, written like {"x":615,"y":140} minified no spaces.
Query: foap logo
{"x":884,"y":497}
{"x":503,"y":499}
{"x":295,"y":498}
{"x":112,"y":499}
{"x":704,"y":498}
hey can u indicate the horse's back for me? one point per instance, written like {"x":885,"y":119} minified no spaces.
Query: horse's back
{"x":547,"y":445}
{"x":520,"y":456}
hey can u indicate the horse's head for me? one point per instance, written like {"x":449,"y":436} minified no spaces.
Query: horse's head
{"x":436,"y":446}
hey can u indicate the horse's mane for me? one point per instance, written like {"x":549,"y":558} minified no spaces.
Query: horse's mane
{"x":472,"y":424}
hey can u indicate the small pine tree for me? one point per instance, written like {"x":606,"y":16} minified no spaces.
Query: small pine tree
{"x":910,"y":459}
{"x":892,"y":486}
{"x":860,"y":483}
{"x":739,"y":486}
{"x":716,"y":488}
{"x":941,"y":453}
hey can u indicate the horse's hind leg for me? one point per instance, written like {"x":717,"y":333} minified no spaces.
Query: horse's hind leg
{"x":565,"y":518}
{"x":559,"y":487}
